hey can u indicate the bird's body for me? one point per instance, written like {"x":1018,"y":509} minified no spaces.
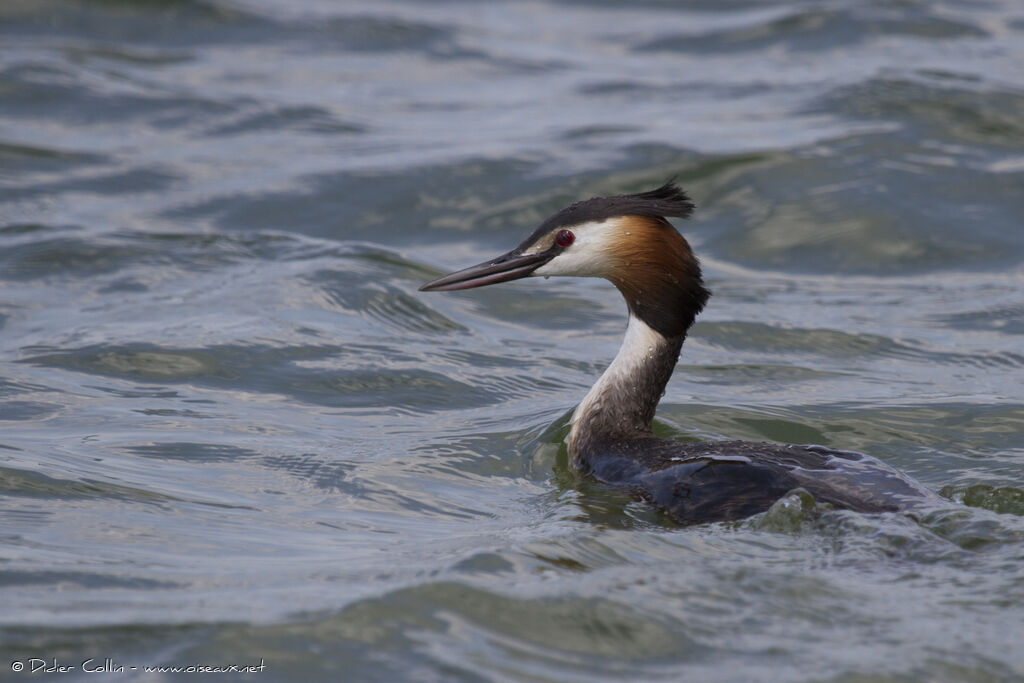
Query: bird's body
{"x":627,"y":240}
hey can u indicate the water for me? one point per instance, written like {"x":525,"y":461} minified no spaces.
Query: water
{"x":232,"y":431}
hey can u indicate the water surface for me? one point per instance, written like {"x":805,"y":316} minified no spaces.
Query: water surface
{"x":232,"y":431}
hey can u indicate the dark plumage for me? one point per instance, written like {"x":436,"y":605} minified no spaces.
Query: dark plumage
{"x":667,"y":200}
{"x":725,"y":480}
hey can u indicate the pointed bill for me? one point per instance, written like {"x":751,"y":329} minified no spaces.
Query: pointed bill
{"x":510,"y":266}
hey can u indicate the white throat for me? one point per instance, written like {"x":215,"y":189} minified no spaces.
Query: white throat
{"x":622,"y":401}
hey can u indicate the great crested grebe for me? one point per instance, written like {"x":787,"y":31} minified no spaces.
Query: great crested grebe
{"x":626,"y":239}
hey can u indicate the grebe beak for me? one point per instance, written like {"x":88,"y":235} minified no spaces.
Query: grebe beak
{"x":510,"y":266}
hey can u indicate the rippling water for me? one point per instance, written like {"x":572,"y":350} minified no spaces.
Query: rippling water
{"x":231,"y":430}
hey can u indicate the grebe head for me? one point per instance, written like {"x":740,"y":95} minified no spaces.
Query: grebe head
{"x":624,"y":239}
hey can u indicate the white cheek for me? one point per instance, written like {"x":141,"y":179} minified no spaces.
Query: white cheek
{"x":576,"y":264}
{"x":589,"y":254}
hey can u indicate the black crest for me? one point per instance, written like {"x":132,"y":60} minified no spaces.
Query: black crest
{"x":667,"y":200}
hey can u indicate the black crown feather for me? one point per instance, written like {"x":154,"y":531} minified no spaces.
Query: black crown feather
{"x":667,"y":200}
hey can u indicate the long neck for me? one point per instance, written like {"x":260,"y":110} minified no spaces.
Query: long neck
{"x":621,"y":404}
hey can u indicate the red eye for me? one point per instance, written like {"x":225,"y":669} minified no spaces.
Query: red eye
{"x":564,"y":238}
